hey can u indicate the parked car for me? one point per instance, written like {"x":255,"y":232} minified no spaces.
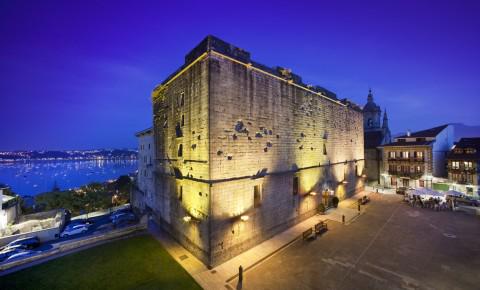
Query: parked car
{"x":26,"y":243}
{"x":11,"y":251}
{"x":79,"y":222}
{"x":21,"y":255}
{"x":124,"y":218}
{"x":74,"y":230}
{"x":118,"y":212}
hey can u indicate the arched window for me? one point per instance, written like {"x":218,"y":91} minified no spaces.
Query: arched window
{"x":370,"y":122}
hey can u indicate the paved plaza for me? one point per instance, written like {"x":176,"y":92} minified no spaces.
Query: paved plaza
{"x":390,"y":246}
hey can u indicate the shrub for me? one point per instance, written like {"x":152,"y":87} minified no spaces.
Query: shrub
{"x":321,"y":208}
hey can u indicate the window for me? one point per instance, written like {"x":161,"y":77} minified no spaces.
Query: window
{"x":405,"y":154}
{"x":455,"y":164}
{"x":394,"y":181}
{"x":470,"y":150}
{"x":180,"y":150}
{"x":180,"y":193}
{"x":392,"y":154}
{"x":324,"y":149}
{"x":257,"y":196}
{"x":183,"y":121}
{"x":392,"y":169}
{"x":421,"y":139}
{"x":295,"y":185}
{"x":469,"y":178}
{"x":418,"y":154}
{"x":370,"y":123}
{"x":468,"y":164}
{"x":178,"y":130}
{"x":148,"y":145}
{"x":421,"y":183}
{"x":418,"y":169}
{"x":182,"y":99}
{"x":458,"y":150}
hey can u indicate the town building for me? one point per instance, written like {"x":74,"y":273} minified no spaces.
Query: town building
{"x":418,"y":159}
{"x":9,"y":210}
{"x":244,"y":151}
{"x":144,"y":197}
{"x":376,"y":133}
{"x":463,"y":166}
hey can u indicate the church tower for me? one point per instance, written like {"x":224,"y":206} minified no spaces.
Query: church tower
{"x":387,"y":136}
{"x":376,"y":134}
{"x":371,"y":114}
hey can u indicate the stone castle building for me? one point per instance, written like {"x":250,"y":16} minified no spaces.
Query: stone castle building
{"x":244,"y":151}
{"x":376,"y":134}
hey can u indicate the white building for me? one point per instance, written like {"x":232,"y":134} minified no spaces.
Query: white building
{"x":418,"y":159}
{"x":9,"y":209}
{"x":144,"y":196}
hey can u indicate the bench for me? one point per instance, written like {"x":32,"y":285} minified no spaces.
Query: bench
{"x":321,"y":227}
{"x":308,"y":234}
{"x":365,"y":199}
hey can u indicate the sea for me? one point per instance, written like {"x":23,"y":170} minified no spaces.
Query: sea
{"x":34,"y":177}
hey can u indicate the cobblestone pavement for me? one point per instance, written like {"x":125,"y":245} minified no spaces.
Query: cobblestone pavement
{"x":390,"y":246}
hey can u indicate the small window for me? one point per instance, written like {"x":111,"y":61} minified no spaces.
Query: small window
{"x":148,"y":145}
{"x":180,"y":193}
{"x":178,"y":130}
{"x":180,"y":150}
{"x":257,"y":196}
{"x":370,"y":123}
{"x":183,"y":121}
{"x":182,"y":99}
{"x":324,"y":149}
{"x":295,"y":185}
{"x":421,"y":139}
{"x":421,"y":183}
{"x":455,"y":164}
{"x":392,"y":154}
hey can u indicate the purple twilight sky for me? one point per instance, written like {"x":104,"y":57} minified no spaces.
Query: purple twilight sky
{"x":78,"y":74}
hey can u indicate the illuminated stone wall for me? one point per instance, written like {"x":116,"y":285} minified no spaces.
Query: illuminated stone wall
{"x":242,"y":129}
{"x":258,"y":122}
{"x":185,"y":97}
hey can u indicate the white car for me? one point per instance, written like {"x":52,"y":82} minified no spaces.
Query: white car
{"x":21,"y":255}
{"x":74,"y":230}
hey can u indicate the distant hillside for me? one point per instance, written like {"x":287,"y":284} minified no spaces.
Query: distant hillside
{"x":464,"y":131}
{"x":69,"y":155}
{"x":460,"y":130}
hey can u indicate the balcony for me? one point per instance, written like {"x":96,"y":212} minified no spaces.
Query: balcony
{"x":413,"y":175}
{"x":411,"y":159}
{"x":461,"y":170}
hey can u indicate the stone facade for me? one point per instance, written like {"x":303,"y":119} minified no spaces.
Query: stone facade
{"x":244,"y":151}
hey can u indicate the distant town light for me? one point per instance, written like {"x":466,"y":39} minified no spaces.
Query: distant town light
{"x":244,"y":218}
{"x":187,"y":218}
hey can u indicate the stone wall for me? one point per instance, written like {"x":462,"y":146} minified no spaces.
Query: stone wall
{"x":245,"y":133}
{"x":264,"y":127}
